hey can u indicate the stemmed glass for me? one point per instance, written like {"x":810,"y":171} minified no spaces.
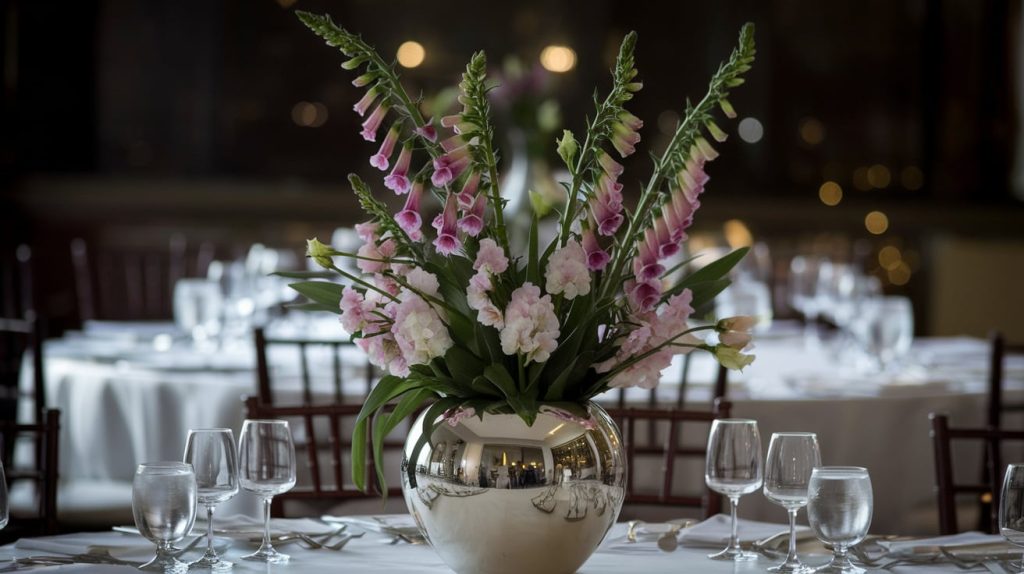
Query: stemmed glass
{"x":839,"y":511}
{"x":791,"y":458}
{"x":212,"y":454}
{"x":266,"y":467}
{"x":734,"y":469}
{"x":1011,"y":509}
{"x":164,"y":505}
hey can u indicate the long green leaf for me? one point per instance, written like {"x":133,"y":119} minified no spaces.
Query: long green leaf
{"x":429,"y":423}
{"x":533,"y":262}
{"x":557,"y":388}
{"x":387,"y":423}
{"x":711,"y":272}
{"x":328,"y":294}
{"x":305,"y":274}
{"x":314,"y":307}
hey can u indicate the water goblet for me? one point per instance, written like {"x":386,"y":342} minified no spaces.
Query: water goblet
{"x":839,"y":510}
{"x":266,"y":467}
{"x":164,"y":506}
{"x":212,"y":455}
{"x":1011,"y":509}
{"x":733,"y":468}
{"x":792,"y":456}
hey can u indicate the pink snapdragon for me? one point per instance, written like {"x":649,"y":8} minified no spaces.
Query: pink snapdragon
{"x":447,"y":241}
{"x":469,"y":190}
{"x":490,"y":258}
{"x":427,"y":131}
{"x":531,"y":327}
{"x":567,"y":272}
{"x":472,"y":222}
{"x":597,"y":258}
{"x":642,"y":295}
{"x":372,"y":123}
{"x":606,"y":205}
{"x":448,"y":167}
{"x":366,"y":101}
{"x":409,"y":219}
{"x":645,"y":265}
{"x":398,"y":180}
{"x":380,"y":159}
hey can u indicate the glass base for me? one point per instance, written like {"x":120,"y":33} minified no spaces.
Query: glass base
{"x":839,"y":565}
{"x":165,"y":563}
{"x":214,"y":564}
{"x":796,"y":567}
{"x":268,"y":555}
{"x":731,"y":554}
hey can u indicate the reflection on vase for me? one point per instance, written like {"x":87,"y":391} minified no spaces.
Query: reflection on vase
{"x":557,"y":487}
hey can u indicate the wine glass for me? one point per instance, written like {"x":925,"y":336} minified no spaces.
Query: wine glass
{"x":791,"y":458}
{"x":734,"y":469}
{"x":266,"y":466}
{"x":884,"y":328}
{"x":839,"y":510}
{"x":212,"y":454}
{"x":164,"y":506}
{"x":1011,"y":509}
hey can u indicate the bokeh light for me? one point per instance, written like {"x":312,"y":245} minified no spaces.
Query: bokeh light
{"x":559,"y":59}
{"x":750,"y":130}
{"x":879,"y":176}
{"x":737,"y":234}
{"x":309,"y":114}
{"x":889,"y":257}
{"x":830,"y":193}
{"x":912,"y":177}
{"x":411,"y":54}
{"x":876,"y":222}
{"x":812,"y":131}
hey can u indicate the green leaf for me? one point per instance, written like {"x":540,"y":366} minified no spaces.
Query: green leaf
{"x":463,"y":365}
{"x":705,"y":291}
{"x":305,"y":274}
{"x":387,"y":422}
{"x":557,"y":388}
{"x":710,"y":272}
{"x":312,"y":306}
{"x":327,"y":294}
{"x":497,"y":374}
{"x":533,"y":263}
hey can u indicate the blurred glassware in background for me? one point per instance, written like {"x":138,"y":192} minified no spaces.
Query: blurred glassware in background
{"x":746,"y":296}
{"x":884,"y":330}
{"x":198,"y":310}
{"x":343,"y":239}
{"x":803,"y":295}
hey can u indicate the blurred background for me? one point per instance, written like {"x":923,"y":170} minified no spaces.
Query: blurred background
{"x":877,"y":133}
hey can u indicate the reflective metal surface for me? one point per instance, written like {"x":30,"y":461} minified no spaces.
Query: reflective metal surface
{"x":495,"y":496}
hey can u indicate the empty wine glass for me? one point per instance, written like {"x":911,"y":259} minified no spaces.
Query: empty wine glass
{"x":839,"y":509}
{"x":1011,"y":509}
{"x":733,"y":468}
{"x":791,"y":458}
{"x":884,"y":328}
{"x":4,"y":512}
{"x":212,"y":455}
{"x":266,"y":467}
{"x":164,"y":506}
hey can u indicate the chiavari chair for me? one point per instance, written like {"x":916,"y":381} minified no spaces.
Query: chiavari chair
{"x":39,"y":515}
{"x":303,"y":348}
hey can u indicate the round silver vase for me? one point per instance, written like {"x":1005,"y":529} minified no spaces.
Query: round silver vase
{"x":495,"y":496}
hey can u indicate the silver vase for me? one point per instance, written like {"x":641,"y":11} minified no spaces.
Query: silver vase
{"x":495,"y":496}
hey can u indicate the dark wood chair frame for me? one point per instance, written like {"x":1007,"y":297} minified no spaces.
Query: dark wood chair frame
{"x":264,"y":385}
{"x":19,"y":336}
{"x":947,"y":488}
{"x":45,"y":471}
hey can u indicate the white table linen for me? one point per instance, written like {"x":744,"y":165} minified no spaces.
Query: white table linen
{"x":126,"y":402}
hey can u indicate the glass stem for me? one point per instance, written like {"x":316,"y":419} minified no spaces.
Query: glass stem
{"x":792,"y":557}
{"x":266,"y":522}
{"x":209,"y":531}
{"x":734,"y":540}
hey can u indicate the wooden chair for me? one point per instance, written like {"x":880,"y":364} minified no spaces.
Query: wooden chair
{"x":133,"y":284}
{"x":670,"y":450}
{"x":18,"y":336}
{"x":996,"y":405}
{"x":16,"y":294}
{"x":42,"y":474}
{"x":719,"y":390}
{"x":987,"y":490}
{"x":303,"y":346}
{"x":326,"y":482}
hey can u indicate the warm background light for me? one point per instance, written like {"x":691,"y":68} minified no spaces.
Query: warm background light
{"x":912,"y":178}
{"x":812,"y":131}
{"x":737,"y":234}
{"x":879,"y":176}
{"x":876,"y":222}
{"x":830,"y":193}
{"x":558,"y":59}
{"x":411,"y":54}
{"x":309,"y":114}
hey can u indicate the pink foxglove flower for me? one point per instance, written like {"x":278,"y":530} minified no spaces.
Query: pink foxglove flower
{"x":606,"y":205}
{"x":531,"y":327}
{"x":364,"y":80}
{"x":597,"y":258}
{"x":448,"y":167}
{"x":624,"y":134}
{"x":490,"y":258}
{"x":645,"y":264}
{"x":473,"y":220}
{"x":469,"y":190}
{"x":567,"y":272}
{"x":447,"y":241}
{"x":367,"y":100}
{"x":427,"y":131}
{"x":707,"y":152}
{"x":372,"y":123}
{"x":367,"y":231}
{"x":398,"y":180}
{"x":668,"y":244}
{"x":409,"y":219}
{"x":380,"y":159}
{"x":642,"y":295}
{"x":609,"y":165}
{"x":419,"y":331}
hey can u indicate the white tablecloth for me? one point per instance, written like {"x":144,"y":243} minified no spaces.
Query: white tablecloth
{"x":373,"y":553}
{"x":124,"y":402}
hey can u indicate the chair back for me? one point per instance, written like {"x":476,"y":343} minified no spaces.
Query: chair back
{"x":986,"y":490}
{"x":653,"y":402}
{"x":17,"y":337}
{"x":323,"y":440}
{"x":996,"y":403}
{"x":16,"y":295}
{"x":133,"y":284}
{"x":303,"y":347}
{"x":42,"y":472}
{"x":670,"y":449}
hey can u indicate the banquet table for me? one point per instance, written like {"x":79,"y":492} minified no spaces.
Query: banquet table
{"x":128,"y":396}
{"x":376,"y":552}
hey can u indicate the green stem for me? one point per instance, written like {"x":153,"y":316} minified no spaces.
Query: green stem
{"x":359,"y":281}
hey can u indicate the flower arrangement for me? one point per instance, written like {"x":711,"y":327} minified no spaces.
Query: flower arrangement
{"x":464,"y":325}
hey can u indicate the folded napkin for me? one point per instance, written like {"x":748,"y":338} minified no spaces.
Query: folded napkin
{"x":241,"y":525}
{"x":117,"y":545}
{"x":716,"y":531}
{"x":931,"y":545}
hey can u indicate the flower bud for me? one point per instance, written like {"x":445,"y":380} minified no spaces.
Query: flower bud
{"x":320,"y":253}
